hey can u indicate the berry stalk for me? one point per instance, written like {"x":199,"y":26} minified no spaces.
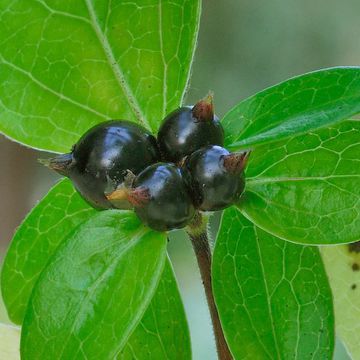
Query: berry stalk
{"x":197,"y":231}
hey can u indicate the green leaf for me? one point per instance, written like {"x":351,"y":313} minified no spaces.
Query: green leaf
{"x":273,"y":297}
{"x":94,"y":291}
{"x":298,"y":105}
{"x":47,"y":225}
{"x":342,"y":264}
{"x":82,"y":62}
{"x":161,"y":334}
{"x":306,"y":189}
{"x":163,"y":331}
{"x":9,"y":342}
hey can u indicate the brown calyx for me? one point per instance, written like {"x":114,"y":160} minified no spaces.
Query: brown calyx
{"x":235,"y":163}
{"x":61,"y":164}
{"x":204,"y":109}
{"x":138,"y":197}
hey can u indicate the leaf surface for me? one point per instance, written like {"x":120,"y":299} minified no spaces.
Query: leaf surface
{"x":273,"y":296}
{"x":295,"y":106}
{"x":163,"y":326}
{"x":67,"y":65}
{"x":342,"y":264}
{"x":306,"y":188}
{"x":47,"y":225}
{"x":163,"y":331}
{"x":94,"y":291}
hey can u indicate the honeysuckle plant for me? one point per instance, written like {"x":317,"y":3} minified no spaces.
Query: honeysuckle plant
{"x":88,"y":284}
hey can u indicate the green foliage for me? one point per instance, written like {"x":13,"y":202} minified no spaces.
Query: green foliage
{"x":38,"y":238}
{"x":304,"y":103}
{"x":35,"y":241}
{"x":163,"y":332}
{"x":98,"y":267}
{"x":98,"y":284}
{"x":273,"y":297}
{"x":306,"y":188}
{"x":82,"y":62}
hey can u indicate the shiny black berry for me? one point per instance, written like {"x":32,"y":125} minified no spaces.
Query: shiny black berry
{"x":188,"y":129}
{"x":161,"y":198}
{"x":216,"y":177}
{"x":99,"y":161}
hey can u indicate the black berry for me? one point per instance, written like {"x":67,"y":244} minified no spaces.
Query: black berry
{"x":216,"y":177}
{"x":188,"y":129}
{"x":99,"y":161}
{"x":160,"y":197}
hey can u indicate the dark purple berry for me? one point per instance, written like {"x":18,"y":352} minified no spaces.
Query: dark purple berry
{"x":216,"y":177}
{"x":188,"y":129}
{"x":160,"y":197}
{"x":100,"y":160}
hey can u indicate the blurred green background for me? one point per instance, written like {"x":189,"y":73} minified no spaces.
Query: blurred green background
{"x":244,"y":46}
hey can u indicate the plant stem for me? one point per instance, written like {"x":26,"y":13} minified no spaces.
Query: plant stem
{"x":197,"y":231}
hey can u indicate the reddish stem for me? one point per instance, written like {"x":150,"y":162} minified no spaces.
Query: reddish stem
{"x":197,"y":232}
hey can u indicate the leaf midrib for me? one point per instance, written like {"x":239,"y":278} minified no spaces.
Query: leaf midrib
{"x":271,"y":180}
{"x":136,"y":239}
{"x":267,"y":294}
{"x":114,"y":65}
{"x":163,"y":60}
{"x":291,"y":118}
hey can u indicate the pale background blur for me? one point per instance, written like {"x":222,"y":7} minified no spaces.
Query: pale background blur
{"x":244,"y":46}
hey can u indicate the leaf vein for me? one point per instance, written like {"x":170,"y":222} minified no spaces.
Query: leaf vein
{"x":118,"y":72}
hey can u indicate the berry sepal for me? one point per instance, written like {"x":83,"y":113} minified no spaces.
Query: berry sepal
{"x":203,"y":110}
{"x":235,"y":163}
{"x":61,"y":163}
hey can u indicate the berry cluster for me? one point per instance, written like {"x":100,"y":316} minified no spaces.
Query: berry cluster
{"x":118,"y":164}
